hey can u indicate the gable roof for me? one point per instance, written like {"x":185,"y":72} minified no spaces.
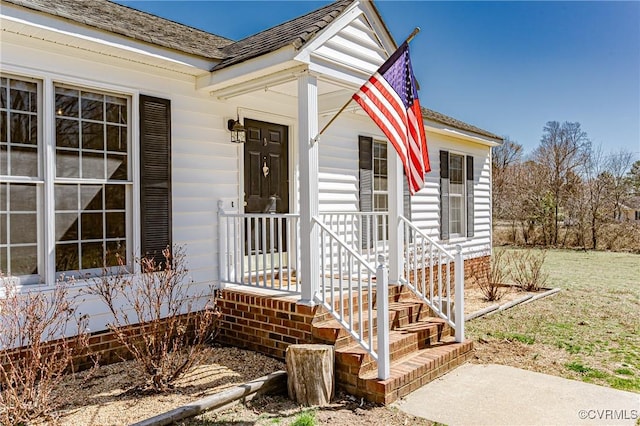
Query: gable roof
{"x":119,"y":19}
{"x":132,"y":23}
{"x":294,"y":32}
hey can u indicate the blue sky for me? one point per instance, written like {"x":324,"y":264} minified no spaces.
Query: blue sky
{"x":507,"y":67}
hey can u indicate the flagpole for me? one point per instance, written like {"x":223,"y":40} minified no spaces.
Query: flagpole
{"x":407,"y":40}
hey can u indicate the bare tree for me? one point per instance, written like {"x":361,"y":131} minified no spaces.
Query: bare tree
{"x":598,"y":184}
{"x":504,"y":157}
{"x":562,"y":149}
{"x":619,"y":165}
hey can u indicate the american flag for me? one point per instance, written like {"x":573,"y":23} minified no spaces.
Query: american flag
{"x":390,"y":97}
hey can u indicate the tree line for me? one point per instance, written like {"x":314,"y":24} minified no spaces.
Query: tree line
{"x":566,"y":193}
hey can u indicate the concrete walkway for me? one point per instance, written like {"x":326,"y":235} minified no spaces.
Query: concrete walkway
{"x":498,"y":395}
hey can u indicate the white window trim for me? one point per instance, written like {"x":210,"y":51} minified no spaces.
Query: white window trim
{"x":46,"y":164}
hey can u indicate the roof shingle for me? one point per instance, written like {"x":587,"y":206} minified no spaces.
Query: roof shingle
{"x":432,"y":115}
{"x":132,"y":23}
{"x":297,"y":32}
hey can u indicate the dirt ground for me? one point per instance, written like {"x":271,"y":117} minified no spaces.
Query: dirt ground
{"x":106,"y":396}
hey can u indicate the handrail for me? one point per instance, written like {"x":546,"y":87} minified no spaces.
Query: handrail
{"x":425,"y":236}
{"x":436,"y":289}
{"x":344,"y":245}
{"x":338,"y":258}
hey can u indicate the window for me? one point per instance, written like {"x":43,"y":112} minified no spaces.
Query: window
{"x":380,"y":186}
{"x":91,"y":189}
{"x":456,"y":194}
{"x":20,"y":178}
{"x":457,"y":207}
{"x":92,"y":179}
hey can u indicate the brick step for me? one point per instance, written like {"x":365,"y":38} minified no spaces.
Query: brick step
{"x":355,"y":360}
{"x":401,"y":314}
{"x":408,"y":373}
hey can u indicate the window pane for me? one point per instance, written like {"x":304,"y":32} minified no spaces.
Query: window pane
{"x":66,"y":226}
{"x":3,"y":126}
{"x":67,"y":164}
{"x":92,"y":136}
{"x":92,"y":165}
{"x":24,"y":161}
{"x":456,"y":172}
{"x":23,"y":128}
{"x":23,"y":197}
{"x":66,"y":102}
{"x":91,"y":224}
{"x":116,"y":225}
{"x":91,"y":197}
{"x":117,"y":138}
{"x":116,"y":253}
{"x":92,"y":106}
{"x":66,"y":197}
{"x":4,"y":160}
{"x":23,"y":228}
{"x":23,"y":95}
{"x":117,"y":167}
{"x":115,"y":197}
{"x":92,"y":255}
{"x":3,"y":228}
{"x":3,"y":261}
{"x":67,"y":133}
{"x":3,"y":92}
{"x":24,"y":260}
{"x":116,"y":110}
{"x":67,"y":257}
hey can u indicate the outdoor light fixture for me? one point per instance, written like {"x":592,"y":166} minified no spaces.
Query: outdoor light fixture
{"x":238,"y":132}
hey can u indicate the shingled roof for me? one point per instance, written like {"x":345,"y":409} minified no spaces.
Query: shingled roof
{"x":142,"y":26}
{"x":432,"y":115}
{"x":294,"y":32}
{"x":132,"y":23}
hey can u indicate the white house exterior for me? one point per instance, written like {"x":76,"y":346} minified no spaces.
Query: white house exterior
{"x":81,"y":86}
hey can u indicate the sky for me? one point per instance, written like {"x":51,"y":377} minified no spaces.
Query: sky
{"x":507,"y":67}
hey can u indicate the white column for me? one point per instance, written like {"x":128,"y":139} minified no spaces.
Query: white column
{"x":396,"y":230}
{"x":308,"y":170}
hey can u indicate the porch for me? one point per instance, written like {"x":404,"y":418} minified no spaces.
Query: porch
{"x":377,"y":327}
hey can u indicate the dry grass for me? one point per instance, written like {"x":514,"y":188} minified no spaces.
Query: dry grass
{"x":590,"y":331}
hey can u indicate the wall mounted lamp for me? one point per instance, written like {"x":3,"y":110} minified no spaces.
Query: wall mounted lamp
{"x":238,"y":132}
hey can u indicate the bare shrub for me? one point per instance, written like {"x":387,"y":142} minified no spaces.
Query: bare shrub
{"x":490,"y":280}
{"x":526,"y":269}
{"x":34,"y":352}
{"x":155,"y":317}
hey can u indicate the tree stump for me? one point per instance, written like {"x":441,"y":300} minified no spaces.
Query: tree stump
{"x":310,"y":371}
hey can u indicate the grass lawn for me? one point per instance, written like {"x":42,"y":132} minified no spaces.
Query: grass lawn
{"x":589,"y":331}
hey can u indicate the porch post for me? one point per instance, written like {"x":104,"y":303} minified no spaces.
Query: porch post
{"x":396,"y":230}
{"x":308,"y":172}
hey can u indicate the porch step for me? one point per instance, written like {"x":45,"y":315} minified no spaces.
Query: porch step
{"x":412,"y":371}
{"x":401,"y":314}
{"x":354,"y":359}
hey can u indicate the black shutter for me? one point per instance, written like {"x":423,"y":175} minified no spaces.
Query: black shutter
{"x":444,"y":195}
{"x":470,"y":202}
{"x":365,"y":164}
{"x":155,"y":176}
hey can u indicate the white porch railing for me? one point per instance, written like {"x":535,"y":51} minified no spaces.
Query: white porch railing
{"x":427,"y":273}
{"x":344,"y":272}
{"x":259,"y":250}
{"x":366,"y":232}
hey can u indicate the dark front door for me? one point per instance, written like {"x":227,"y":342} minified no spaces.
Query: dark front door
{"x":266,"y":169}
{"x":266,"y":185}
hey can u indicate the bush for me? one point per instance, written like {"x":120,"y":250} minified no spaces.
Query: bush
{"x":491,"y":280}
{"x":526,"y":269}
{"x":36,"y":354}
{"x":160,"y":302}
